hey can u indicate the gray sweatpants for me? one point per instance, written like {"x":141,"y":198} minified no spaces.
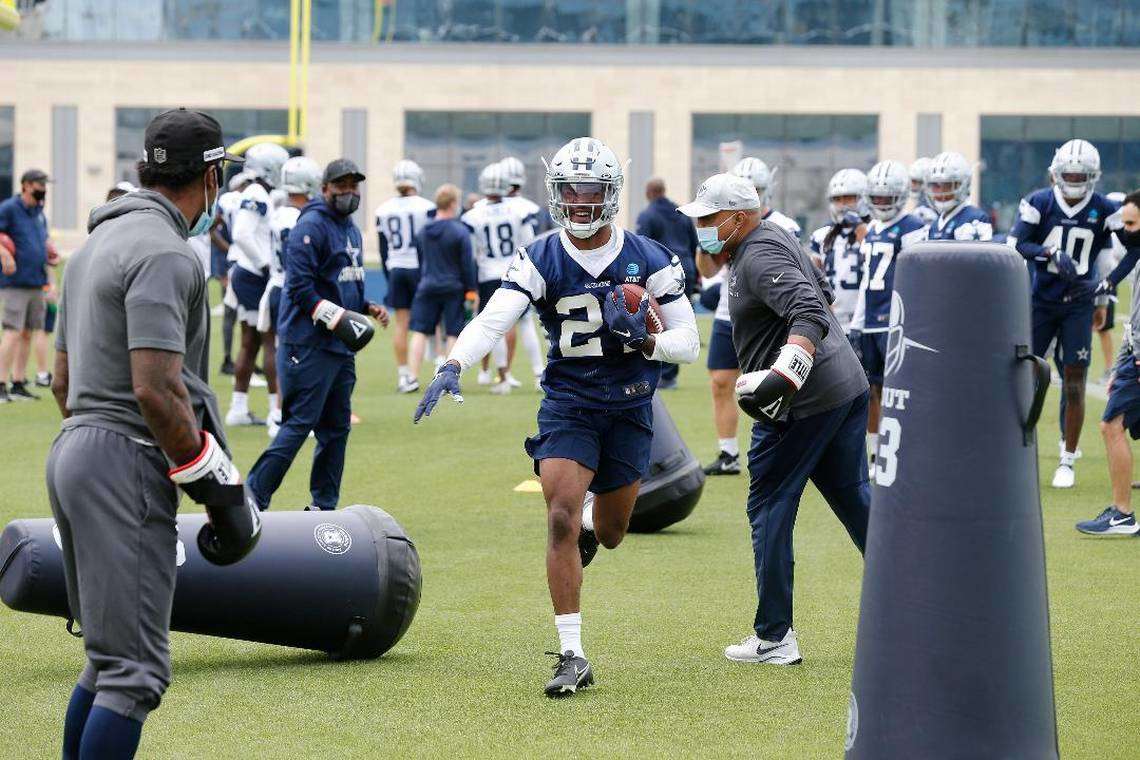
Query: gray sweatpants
{"x":115,"y":508}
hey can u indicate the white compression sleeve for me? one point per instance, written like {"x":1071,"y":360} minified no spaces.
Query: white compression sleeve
{"x":680,"y":343}
{"x":481,"y":334}
{"x":528,"y":336}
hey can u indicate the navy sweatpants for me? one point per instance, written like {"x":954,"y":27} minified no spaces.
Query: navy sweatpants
{"x":829,"y":449}
{"x":316,"y":395}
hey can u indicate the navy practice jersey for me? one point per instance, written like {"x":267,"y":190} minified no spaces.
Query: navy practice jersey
{"x":587,"y":365}
{"x":1044,"y":221}
{"x":880,"y":250}
{"x":963,"y":223}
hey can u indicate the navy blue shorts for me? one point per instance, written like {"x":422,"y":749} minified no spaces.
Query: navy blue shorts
{"x":615,"y":444}
{"x":428,"y":309}
{"x":722,"y":353}
{"x":872,"y":351}
{"x":486,"y":290}
{"x":1124,"y":395}
{"x":248,"y":287}
{"x":1070,"y":324}
{"x":402,"y":284}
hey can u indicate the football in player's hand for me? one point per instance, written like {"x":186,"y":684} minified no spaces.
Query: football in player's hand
{"x":654,"y":322}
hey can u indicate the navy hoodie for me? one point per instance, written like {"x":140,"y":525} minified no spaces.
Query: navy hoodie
{"x":324,"y":260}
{"x":447,"y":260}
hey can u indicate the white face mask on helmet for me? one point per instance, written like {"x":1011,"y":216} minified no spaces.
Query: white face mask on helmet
{"x":846,"y":182}
{"x":1075,"y":169}
{"x":948,"y":181}
{"x":887,"y":189}
{"x":583,"y":184}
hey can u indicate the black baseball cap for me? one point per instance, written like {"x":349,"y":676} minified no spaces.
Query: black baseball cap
{"x":187,"y":138}
{"x":341,"y":168}
{"x":34,"y":175}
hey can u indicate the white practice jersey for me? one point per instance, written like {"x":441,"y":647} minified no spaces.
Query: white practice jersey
{"x":843,"y":266}
{"x":399,"y":220}
{"x":283,"y":220}
{"x":499,"y":230}
{"x":775,"y":217}
{"x":251,"y":232}
{"x":228,"y":203}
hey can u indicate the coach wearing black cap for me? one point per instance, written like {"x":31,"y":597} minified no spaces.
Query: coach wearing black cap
{"x":140,"y":422}
{"x":321,"y":326}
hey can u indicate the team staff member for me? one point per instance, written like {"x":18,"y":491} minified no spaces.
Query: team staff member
{"x":320,"y":328}
{"x":803,"y":385}
{"x":23,"y":275}
{"x":140,"y":421}
{"x":661,"y":222}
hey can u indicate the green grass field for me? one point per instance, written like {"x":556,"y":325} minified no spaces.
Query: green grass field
{"x":466,"y":680}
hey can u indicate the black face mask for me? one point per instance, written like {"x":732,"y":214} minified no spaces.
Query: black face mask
{"x":1129,"y":239}
{"x":39,"y":195}
{"x":345,"y":203}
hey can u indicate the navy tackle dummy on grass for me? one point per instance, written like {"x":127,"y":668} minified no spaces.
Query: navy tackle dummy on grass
{"x":952,"y":656}
{"x":595,"y":422}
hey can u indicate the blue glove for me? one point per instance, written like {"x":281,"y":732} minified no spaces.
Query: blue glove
{"x":1064,"y":263}
{"x":445,"y":381}
{"x":629,"y":328}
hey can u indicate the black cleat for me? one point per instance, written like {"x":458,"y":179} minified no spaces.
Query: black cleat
{"x":20,"y":392}
{"x":587,"y":545}
{"x":227,"y":366}
{"x":570,"y":674}
{"x":725,"y":464}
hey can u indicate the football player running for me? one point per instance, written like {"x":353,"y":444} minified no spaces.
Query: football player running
{"x":835,"y":246}
{"x":920,"y":203}
{"x":301,"y":183}
{"x":948,"y":189}
{"x":398,"y":221}
{"x":1061,"y":232}
{"x":595,"y":424}
{"x":722,"y":363}
{"x":498,"y":228}
{"x":253,"y":239}
{"x":891,"y":231}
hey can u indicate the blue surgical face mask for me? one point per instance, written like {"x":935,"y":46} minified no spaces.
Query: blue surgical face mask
{"x":206,"y":218}
{"x":708,"y":238}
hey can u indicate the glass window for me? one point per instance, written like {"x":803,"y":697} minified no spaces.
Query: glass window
{"x":803,"y":150}
{"x":1017,"y":151}
{"x":7,"y":142}
{"x":454,"y":146}
{"x":130,"y":125}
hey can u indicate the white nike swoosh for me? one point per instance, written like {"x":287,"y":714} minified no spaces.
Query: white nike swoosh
{"x":625,"y":334}
{"x":777,"y":277}
{"x":1121,"y":521}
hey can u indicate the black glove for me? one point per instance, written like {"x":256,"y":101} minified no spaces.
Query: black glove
{"x":767,"y":394}
{"x":212,"y":480}
{"x":354,"y":330}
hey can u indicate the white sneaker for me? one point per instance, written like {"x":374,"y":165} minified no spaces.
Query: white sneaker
{"x":757,"y":650}
{"x":242,"y":419}
{"x":1064,"y":477}
{"x":501,"y":389}
{"x":485,"y":377}
{"x":257,"y":381}
{"x":407,"y":384}
{"x":1061,"y":450}
{"x":512,"y":382}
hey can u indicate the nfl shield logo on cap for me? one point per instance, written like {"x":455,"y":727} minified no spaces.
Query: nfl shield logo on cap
{"x":160,"y":155}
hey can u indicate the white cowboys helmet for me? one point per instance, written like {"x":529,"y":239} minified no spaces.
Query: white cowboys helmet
{"x":408,"y":174}
{"x":300,"y":175}
{"x":264,"y":162}
{"x":1075,"y":168}
{"x":493,"y":180}
{"x":918,"y":171}
{"x":584,"y":167}
{"x":758,"y":173}
{"x":887,"y":189}
{"x":846,"y":182}
{"x":516,"y":171}
{"x":948,"y":181}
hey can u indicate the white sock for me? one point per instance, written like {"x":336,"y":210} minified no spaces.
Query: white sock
{"x":873,"y":444}
{"x":588,"y":511}
{"x":272,"y":404}
{"x":239,"y":403}
{"x":1068,"y":458}
{"x":404,"y":370}
{"x":570,"y":633}
{"x":729,"y":446}
{"x":528,"y":336}
{"x":499,"y":354}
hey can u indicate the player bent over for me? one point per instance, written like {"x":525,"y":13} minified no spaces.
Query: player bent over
{"x":595,"y":424}
{"x":1122,"y":413}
